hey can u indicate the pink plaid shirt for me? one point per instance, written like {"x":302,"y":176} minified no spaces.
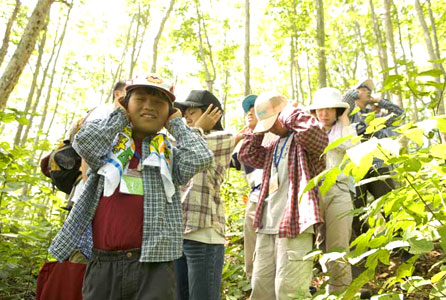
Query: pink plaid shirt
{"x":304,"y":162}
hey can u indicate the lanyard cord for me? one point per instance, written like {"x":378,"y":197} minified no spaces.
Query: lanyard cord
{"x":139,"y":168}
{"x":277,"y":160}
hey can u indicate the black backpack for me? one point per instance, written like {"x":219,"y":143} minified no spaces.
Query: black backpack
{"x":63,"y":164}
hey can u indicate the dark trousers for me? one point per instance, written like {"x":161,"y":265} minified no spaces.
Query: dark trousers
{"x":120,"y":275}
{"x":377,"y":188}
{"x":198,"y":271}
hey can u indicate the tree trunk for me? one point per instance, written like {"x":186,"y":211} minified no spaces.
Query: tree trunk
{"x":412,"y":100}
{"x":158,"y":36}
{"x":60,"y":94}
{"x":391,"y":43}
{"x":23,"y":51}
{"x":118,"y":71}
{"x":247,"y":46}
{"x":310,"y":90}
{"x":364,"y":52}
{"x":430,"y":50}
{"x":320,"y":36}
{"x":29,"y":100}
{"x":40,"y":89}
{"x":5,"y":44}
{"x":381,"y":49}
{"x":434,"y":34}
{"x":135,"y":42}
{"x":299,"y":76}
{"x":209,"y":78}
{"x":53,"y":75}
{"x":292,"y":58}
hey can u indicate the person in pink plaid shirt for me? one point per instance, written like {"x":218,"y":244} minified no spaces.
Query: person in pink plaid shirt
{"x":285,"y":225}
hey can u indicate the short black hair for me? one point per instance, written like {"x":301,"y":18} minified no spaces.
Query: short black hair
{"x":339,"y":111}
{"x":119,"y":86}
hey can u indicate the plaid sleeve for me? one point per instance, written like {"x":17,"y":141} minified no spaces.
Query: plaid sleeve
{"x":221,"y":144}
{"x":391,"y":108}
{"x":94,"y":139}
{"x":190,"y":155}
{"x":252,"y":153}
{"x":306,"y":128}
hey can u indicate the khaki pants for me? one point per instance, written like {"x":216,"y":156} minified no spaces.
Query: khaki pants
{"x":249,"y":237}
{"x":280,"y":272}
{"x":337,"y":203}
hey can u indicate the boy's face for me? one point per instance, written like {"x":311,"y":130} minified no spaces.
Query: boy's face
{"x":250,"y":118}
{"x":147,"y":113}
{"x":192,"y":114}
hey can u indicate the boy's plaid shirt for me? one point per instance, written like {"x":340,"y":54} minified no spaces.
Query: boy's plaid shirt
{"x":304,"y":162}
{"x":162,"y":225}
{"x":202,"y":206}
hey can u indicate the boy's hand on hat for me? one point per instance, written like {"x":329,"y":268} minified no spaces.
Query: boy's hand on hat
{"x":119,"y":103}
{"x":209,"y":118}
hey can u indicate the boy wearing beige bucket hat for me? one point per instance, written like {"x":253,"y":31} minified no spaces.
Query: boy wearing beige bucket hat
{"x":332,"y":113}
{"x":284,"y":221}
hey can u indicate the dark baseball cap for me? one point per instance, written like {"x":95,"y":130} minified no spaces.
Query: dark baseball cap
{"x":248,"y":102}
{"x":200,"y":99}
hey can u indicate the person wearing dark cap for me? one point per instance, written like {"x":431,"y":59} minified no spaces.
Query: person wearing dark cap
{"x":254,"y":179}
{"x":131,"y":198}
{"x":360,"y":97}
{"x":198,"y":272}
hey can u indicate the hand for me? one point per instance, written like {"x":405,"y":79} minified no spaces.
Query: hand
{"x":345,"y":120}
{"x":209,"y":118}
{"x":119,"y":103}
{"x":374,"y":100}
{"x":174,"y":114}
{"x":241,"y":134}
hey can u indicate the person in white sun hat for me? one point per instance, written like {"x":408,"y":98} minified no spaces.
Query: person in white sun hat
{"x":332,"y":114}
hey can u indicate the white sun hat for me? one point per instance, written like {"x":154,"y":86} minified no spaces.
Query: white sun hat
{"x":327,"y":98}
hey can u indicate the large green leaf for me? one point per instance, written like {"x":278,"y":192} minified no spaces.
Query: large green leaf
{"x":431,"y":73}
{"x":420,"y":245}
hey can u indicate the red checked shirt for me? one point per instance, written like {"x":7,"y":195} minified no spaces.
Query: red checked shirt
{"x":304,"y":162}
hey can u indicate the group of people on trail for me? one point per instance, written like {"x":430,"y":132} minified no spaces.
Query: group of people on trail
{"x":148,"y":215}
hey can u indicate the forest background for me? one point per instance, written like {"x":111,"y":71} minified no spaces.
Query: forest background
{"x":58,"y":59}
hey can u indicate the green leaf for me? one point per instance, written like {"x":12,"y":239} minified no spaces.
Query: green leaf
{"x":415,"y":134}
{"x":392,"y":81}
{"x":412,"y":165}
{"x":336,"y":143}
{"x":442,"y":232}
{"x":355,"y":111}
{"x":329,"y":180}
{"x":438,"y":151}
{"x":432,"y":73}
{"x":437,"y":277}
{"x":420,"y":245}
{"x":23,"y":121}
{"x":441,"y":124}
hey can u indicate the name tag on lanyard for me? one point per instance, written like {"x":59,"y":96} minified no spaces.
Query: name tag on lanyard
{"x":131,"y":183}
{"x":273,"y":181}
{"x":274,"y":178}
